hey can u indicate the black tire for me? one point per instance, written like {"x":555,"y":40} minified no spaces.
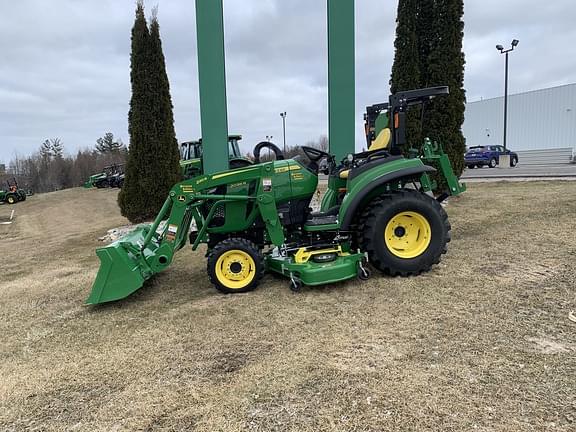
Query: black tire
{"x":103,"y":184}
{"x":243,"y":247}
{"x":11,"y":199}
{"x":296,"y":285}
{"x":363,"y":271}
{"x":492,"y":163}
{"x":382,"y":212}
{"x":513,"y":161}
{"x":480,"y":166}
{"x":471,"y":166}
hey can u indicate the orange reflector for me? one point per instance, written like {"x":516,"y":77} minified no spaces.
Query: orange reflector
{"x":341,"y":190}
{"x":396,"y":120}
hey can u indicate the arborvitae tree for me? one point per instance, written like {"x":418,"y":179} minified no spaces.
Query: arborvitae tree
{"x":428,"y":37}
{"x":406,"y":66}
{"x":445,"y":66}
{"x":134,"y":198}
{"x":168,"y":157}
{"x":150,"y":168}
{"x":429,"y":46}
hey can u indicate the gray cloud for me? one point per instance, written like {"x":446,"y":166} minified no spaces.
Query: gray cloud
{"x":64,"y":65}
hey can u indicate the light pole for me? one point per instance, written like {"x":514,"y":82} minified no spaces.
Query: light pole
{"x":283,"y":115}
{"x":500,"y":48}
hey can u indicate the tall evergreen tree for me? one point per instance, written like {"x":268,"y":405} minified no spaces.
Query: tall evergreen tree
{"x":167,"y":144}
{"x":434,"y":50}
{"x":445,"y":66}
{"x":151,"y":168}
{"x":406,"y":67}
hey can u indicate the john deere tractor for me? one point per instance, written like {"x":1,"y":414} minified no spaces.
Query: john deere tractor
{"x":379,"y":210}
{"x":191,"y":156}
{"x":112,"y":176}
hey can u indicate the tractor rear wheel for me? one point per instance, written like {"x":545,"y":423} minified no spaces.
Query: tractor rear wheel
{"x":235,"y":265}
{"x":405,"y":233}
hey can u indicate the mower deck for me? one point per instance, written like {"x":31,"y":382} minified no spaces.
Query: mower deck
{"x":343,"y":266}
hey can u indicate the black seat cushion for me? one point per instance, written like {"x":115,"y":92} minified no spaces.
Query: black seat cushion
{"x":324,"y":218}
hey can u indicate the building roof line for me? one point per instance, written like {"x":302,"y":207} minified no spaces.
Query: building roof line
{"x":523,"y":93}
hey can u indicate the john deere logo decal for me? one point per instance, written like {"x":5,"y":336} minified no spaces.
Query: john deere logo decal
{"x":181,"y":198}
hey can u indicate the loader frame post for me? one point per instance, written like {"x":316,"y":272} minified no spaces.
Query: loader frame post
{"x":341,"y":77}
{"x":212,"y":80}
{"x":212,"y":84}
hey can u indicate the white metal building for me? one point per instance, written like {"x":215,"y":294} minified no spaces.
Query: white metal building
{"x":540,"y":122}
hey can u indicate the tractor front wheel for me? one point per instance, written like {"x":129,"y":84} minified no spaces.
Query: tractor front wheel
{"x":11,"y":199}
{"x":405,"y":233}
{"x":235,"y":265}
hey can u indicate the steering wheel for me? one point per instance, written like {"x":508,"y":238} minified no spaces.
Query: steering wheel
{"x":315,"y":154}
{"x":267,"y":144}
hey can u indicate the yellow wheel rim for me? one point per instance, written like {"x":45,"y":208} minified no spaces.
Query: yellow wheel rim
{"x":235,"y":269}
{"x":408,"y":235}
{"x":10,"y":200}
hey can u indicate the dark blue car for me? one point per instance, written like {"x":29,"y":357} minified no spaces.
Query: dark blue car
{"x":489,"y":155}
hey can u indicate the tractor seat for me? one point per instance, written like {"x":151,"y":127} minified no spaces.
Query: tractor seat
{"x":381,"y":142}
{"x":330,"y":216}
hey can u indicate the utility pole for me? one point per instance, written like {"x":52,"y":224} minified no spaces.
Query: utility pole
{"x":500,"y":48}
{"x":283,"y":115}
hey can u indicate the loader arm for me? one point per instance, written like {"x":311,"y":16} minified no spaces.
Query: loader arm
{"x":245,"y":193}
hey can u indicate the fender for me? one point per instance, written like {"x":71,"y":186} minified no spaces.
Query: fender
{"x":357,"y":201}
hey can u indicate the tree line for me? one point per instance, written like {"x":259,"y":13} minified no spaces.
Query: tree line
{"x":50,"y":168}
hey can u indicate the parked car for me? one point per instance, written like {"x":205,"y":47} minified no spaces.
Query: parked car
{"x":489,"y":155}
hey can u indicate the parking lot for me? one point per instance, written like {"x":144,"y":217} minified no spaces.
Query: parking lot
{"x":527,"y":171}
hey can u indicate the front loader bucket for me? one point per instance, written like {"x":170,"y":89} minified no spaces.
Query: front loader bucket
{"x":123,"y":268}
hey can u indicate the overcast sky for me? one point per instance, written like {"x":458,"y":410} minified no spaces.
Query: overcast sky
{"x":64,"y":64}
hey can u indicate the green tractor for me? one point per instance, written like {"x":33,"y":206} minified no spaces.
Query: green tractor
{"x":379,"y":210}
{"x":191,"y":156}
{"x":13,"y":194}
{"x":110,"y":177}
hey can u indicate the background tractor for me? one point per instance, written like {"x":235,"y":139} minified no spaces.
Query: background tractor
{"x":191,"y":156}
{"x":13,"y":193}
{"x":111,"y":176}
{"x":378,"y":209}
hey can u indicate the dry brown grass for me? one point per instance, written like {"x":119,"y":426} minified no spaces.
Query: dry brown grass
{"x":481,"y":343}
